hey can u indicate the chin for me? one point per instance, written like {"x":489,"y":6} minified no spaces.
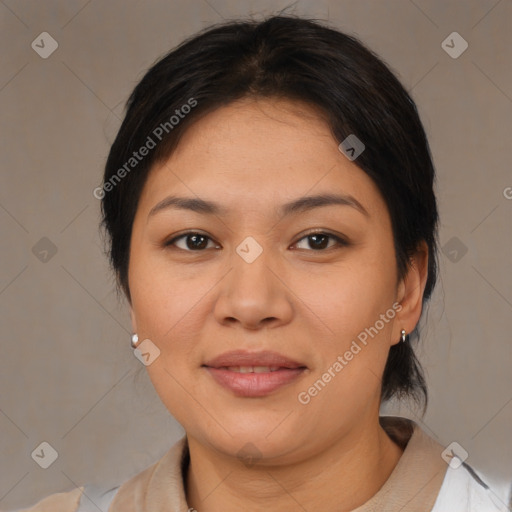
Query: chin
{"x":257,"y":441}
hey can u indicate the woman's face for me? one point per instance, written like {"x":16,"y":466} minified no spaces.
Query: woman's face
{"x":247,"y":287}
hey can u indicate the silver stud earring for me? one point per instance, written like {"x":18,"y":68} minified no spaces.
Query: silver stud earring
{"x":135,"y":340}
{"x":403,"y":337}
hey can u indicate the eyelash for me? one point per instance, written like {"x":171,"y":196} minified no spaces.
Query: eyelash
{"x":341,"y":242}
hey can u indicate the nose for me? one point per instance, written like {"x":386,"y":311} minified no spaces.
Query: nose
{"x":254,"y":295}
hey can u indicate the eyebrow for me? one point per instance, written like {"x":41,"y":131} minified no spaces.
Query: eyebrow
{"x":301,"y":205}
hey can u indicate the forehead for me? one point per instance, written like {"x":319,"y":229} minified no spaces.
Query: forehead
{"x":258,"y":152}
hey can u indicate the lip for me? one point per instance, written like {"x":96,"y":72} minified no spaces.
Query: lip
{"x":254,"y":384}
{"x":245,"y":358}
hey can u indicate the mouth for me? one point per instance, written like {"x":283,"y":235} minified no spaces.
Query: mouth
{"x":250,"y":369}
{"x":255,"y":374}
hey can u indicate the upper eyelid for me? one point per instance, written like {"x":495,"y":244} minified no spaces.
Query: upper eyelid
{"x":172,"y":240}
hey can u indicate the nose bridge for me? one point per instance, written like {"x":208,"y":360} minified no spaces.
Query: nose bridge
{"x":251,"y":276}
{"x":252,"y":292}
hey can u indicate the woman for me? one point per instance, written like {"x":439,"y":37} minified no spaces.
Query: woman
{"x":270,"y":209}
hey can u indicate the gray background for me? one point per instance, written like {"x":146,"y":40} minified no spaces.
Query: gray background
{"x":67,"y":373}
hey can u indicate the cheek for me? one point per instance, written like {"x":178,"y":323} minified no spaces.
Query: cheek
{"x":171,"y":308}
{"x":352,"y":296}
{"x":356,"y":303}
{"x":162,"y":294}
{"x":168,"y":310}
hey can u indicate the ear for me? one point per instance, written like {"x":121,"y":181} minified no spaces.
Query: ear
{"x":134,"y":321}
{"x":410,"y":292}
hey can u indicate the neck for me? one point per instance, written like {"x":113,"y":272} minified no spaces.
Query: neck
{"x":341,"y":478}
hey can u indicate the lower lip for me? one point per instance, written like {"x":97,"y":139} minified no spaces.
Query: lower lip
{"x":254,"y":384}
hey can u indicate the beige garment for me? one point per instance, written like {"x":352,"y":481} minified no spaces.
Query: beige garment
{"x":60,"y":502}
{"x":413,"y":485}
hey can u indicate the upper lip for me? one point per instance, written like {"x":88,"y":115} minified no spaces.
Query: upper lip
{"x":245,"y":358}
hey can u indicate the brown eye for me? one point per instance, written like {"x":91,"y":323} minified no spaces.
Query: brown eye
{"x":320,"y":241}
{"x":192,"y":241}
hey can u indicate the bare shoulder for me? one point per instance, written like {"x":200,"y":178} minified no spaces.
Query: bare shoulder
{"x":59,"y":502}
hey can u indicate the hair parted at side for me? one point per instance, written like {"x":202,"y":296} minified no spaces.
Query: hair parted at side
{"x":297,"y":59}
